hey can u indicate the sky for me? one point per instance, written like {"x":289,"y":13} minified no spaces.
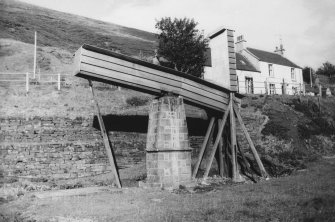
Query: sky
{"x":306,"y":28}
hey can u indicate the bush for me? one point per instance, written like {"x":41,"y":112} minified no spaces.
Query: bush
{"x":137,"y":101}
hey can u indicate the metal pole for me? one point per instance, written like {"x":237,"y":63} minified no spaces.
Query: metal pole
{"x":35,"y":55}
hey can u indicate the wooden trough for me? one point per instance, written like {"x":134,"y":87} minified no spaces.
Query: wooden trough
{"x":107,"y":66}
{"x":93,"y":63}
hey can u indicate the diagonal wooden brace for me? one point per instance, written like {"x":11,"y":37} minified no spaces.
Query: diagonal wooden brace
{"x":105,"y":138}
{"x":204,"y":146}
{"x":253,"y":149}
{"x":216,"y":143}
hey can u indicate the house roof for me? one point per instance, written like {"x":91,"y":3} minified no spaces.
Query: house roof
{"x":218,"y":31}
{"x":242,"y":63}
{"x":272,"y":57}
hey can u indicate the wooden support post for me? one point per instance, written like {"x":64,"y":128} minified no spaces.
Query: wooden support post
{"x":253,"y":149}
{"x":221,"y":168}
{"x":209,"y":132}
{"x":105,"y":138}
{"x":58,"y":82}
{"x":27,"y":82}
{"x":216,"y":143}
{"x":233,"y":139}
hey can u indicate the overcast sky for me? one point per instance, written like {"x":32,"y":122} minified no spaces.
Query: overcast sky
{"x":306,"y":27}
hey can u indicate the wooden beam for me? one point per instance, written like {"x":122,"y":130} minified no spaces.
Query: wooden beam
{"x":221,"y":167}
{"x":204,"y":146}
{"x":105,"y":138}
{"x":216,"y":143}
{"x":247,"y":165}
{"x":253,"y":149}
{"x":233,"y":138}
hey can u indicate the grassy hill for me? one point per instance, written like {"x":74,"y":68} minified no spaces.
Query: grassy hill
{"x":19,"y":20}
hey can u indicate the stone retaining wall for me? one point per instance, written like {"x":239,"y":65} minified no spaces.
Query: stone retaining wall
{"x":55,"y":147}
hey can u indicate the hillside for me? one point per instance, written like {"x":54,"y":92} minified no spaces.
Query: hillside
{"x":19,"y":20}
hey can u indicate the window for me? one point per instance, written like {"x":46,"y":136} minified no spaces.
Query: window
{"x":271,"y":70}
{"x":249,"y":85}
{"x":272,"y":89}
{"x":292,"y":73}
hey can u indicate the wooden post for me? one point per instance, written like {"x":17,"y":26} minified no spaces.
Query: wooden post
{"x":105,"y":138}
{"x":216,"y":143}
{"x":220,"y":152}
{"x":204,"y":146}
{"x":233,"y":138}
{"x":27,"y":82}
{"x":319,"y":104}
{"x":310,"y":76}
{"x":266,"y":87}
{"x":58,"y":82}
{"x":253,"y":149}
{"x":35,"y":46}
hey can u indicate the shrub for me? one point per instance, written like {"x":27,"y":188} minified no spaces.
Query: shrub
{"x":137,"y":101}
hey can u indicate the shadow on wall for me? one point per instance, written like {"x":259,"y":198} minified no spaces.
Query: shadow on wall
{"x":139,"y":124}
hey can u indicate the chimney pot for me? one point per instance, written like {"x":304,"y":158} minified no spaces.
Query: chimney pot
{"x":240,"y":43}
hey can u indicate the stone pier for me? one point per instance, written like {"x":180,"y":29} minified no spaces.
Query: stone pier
{"x":168,"y":157}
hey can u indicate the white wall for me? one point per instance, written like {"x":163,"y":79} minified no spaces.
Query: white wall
{"x":219,"y":72}
{"x":280,"y":73}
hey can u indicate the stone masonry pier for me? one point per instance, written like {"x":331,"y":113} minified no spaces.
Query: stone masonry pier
{"x":168,"y":158}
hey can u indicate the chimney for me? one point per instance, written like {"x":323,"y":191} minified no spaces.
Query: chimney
{"x":240,"y":43}
{"x":280,"y":50}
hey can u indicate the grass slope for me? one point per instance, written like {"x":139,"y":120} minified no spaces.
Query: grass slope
{"x":19,"y":20}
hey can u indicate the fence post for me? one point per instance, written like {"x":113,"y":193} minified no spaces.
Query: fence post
{"x":27,"y":82}
{"x":58,"y":81}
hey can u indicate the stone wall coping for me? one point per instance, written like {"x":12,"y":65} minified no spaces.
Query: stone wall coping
{"x":168,"y":151}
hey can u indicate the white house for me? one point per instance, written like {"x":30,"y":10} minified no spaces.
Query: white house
{"x":263,"y":72}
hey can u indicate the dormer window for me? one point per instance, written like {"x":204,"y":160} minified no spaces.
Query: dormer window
{"x":271,"y":74}
{"x":293,"y":73}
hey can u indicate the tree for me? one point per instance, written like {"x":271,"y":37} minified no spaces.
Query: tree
{"x":306,"y":74}
{"x":327,"y":69}
{"x":182,"y":44}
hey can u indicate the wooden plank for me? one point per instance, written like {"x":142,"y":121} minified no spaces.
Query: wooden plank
{"x":233,"y":88}
{"x":232,"y":60}
{"x":120,"y":76}
{"x":232,"y":55}
{"x":131,"y":71}
{"x":209,"y":132}
{"x":221,"y":167}
{"x":231,"y":44}
{"x":253,"y":149}
{"x":232,"y":71}
{"x":231,"y":49}
{"x":145,"y":89}
{"x":230,"y":32}
{"x":217,"y":140}
{"x":77,"y":60}
{"x":233,"y":138}
{"x":105,"y":139}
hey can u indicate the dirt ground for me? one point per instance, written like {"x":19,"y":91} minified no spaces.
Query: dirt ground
{"x":306,"y":195}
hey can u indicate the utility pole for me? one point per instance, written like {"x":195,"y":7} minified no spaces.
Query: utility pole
{"x":310,"y":76}
{"x":35,"y":55}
